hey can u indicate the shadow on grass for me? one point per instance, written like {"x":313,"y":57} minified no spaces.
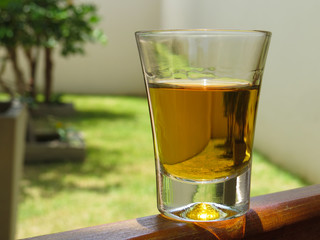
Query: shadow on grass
{"x":50,"y":178}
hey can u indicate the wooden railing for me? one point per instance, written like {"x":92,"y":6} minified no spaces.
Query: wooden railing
{"x":293,"y":214}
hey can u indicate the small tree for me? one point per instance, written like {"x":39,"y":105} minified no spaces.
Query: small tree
{"x":12,"y":32}
{"x":44,"y":25}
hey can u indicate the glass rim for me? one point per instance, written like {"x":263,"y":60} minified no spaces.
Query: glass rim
{"x":203,"y":32}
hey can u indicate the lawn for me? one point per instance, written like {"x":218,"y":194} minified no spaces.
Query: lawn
{"x":117,"y":180}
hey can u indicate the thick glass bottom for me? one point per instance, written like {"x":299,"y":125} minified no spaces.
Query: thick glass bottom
{"x":216,"y":200}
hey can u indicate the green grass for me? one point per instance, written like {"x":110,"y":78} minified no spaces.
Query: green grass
{"x":117,"y":180}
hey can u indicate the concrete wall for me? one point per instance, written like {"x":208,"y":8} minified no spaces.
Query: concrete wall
{"x":288,"y":127}
{"x":12,"y":146}
{"x":114,"y":68}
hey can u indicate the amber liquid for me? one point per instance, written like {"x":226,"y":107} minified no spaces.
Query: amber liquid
{"x":203,"y":132}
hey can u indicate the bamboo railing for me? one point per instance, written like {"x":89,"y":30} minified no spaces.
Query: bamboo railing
{"x":293,"y":214}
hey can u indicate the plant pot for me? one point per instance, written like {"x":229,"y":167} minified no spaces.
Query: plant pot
{"x":50,"y":148}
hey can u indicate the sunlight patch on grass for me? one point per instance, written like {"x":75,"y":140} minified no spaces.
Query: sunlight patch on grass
{"x":266,"y":177}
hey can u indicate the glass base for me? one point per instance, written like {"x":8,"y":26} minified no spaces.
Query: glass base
{"x":216,"y":200}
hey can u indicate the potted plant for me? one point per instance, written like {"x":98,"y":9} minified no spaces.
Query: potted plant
{"x":10,"y":33}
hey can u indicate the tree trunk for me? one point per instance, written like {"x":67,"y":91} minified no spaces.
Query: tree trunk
{"x":33,"y":63}
{"x":48,"y":74}
{"x":19,"y":77}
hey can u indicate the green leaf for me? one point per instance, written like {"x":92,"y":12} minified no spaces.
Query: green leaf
{"x":94,"y":19}
{"x":100,"y":36}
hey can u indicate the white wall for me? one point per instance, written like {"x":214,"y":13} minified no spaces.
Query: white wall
{"x":114,"y":68}
{"x":288,"y":127}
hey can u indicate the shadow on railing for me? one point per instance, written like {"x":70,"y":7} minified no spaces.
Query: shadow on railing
{"x":293,"y":214}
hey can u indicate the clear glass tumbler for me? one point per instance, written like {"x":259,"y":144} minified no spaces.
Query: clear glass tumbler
{"x":203,"y":90}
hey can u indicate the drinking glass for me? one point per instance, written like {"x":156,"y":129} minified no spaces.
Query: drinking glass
{"x":203,"y":89}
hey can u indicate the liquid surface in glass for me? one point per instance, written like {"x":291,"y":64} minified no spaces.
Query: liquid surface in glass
{"x":203,"y":131}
